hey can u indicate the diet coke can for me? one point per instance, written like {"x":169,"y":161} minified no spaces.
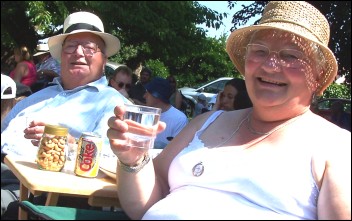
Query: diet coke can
{"x":88,"y":154}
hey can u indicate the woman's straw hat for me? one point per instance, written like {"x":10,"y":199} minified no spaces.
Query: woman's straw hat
{"x":83,"y":22}
{"x":297,"y":17}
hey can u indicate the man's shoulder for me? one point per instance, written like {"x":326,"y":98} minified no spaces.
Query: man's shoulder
{"x":112,"y":94}
{"x":175,"y":113}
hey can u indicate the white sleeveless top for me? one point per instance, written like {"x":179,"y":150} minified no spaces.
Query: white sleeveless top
{"x":233,"y":187}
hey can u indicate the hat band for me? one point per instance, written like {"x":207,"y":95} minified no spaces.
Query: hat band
{"x":79,"y":26}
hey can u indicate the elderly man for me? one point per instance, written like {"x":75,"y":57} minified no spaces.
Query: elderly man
{"x":80,"y":99}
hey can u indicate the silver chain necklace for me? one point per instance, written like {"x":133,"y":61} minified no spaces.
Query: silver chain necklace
{"x":273,"y":130}
{"x":254,"y":131}
{"x":234,"y":132}
{"x":198,"y":169}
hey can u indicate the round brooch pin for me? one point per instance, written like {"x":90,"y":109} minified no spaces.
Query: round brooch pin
{"x":198,"y":169}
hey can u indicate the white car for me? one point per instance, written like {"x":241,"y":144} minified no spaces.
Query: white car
{"x":110,"y":67}
{"x":209,"y":90}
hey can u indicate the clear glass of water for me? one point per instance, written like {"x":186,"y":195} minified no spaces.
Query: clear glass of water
{"x":142,"y":121}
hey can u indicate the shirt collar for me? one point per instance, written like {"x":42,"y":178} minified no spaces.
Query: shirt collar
{"x":99,"y":84}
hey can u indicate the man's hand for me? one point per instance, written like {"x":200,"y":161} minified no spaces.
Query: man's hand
{"x":34,"y":131}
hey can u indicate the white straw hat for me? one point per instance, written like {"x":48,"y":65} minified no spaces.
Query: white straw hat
{"x":7,"y":82}
{"x":83,"y":22}
{"x":42,"y":49}
{"x":297,"y":17}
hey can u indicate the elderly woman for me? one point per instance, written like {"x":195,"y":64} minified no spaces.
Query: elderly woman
{"x":263,"y":162}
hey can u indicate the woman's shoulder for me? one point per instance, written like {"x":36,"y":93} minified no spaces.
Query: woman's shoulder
{"x":27,"y":63}
{"x":22,"y":64}
{"x":325,"y":134}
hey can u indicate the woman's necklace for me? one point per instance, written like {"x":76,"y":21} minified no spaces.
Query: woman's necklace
{"x":198,"y":169}
{"x":234,"y":132}
{"x":253,"y":131}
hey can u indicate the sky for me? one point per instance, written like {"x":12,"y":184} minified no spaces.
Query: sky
{"x":221,"y":7}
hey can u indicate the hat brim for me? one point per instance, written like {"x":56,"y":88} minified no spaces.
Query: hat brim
{"x":112,"y":43}
{"x":238,"y":40}
{"x":156,"y":94}
{"x":40,"y":53}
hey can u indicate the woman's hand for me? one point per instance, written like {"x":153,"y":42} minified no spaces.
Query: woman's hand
{"x":218,"y":99}
{"x":118,"y":138}
{"x":34,"y":131}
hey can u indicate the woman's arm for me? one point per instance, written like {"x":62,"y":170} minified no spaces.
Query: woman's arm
{"x":138,"y":191}
{"x":334,"y":200}
{"x":21,"y":70}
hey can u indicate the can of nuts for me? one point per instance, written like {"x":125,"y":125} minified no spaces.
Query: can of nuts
{"x":52,"y":148}
{"x":88,"y":154}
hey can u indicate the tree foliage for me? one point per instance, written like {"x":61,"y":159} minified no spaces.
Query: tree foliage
{"x":164,"y":34}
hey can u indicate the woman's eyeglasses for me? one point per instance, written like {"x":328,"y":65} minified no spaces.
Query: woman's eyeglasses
{"x":288,"y":57}
{"x":121,"y":84}
{"x":89,"y":48}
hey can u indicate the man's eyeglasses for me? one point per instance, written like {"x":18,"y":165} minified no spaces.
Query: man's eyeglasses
{"x":121,"y":84}
{"x":288,"y":57}
{"x":89,"y":48}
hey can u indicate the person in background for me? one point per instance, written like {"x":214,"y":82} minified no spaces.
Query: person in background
{"x":275,"y":161}
{"x":25,"y":71}
{"x":157,"y":94}
{"x":121,"y":80}
{"x":80,"y":98}
{"x":233,"y":97}
{"x":47,"y":67}
{"x":137,"y":91}
{"x":11,"y":93}
{"x":176,"y":97}
{"x":339,"y":116}
{"x":201,"y":105}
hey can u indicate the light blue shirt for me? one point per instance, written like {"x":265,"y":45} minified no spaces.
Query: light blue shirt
{"x":175,"y":121}
{"x":83,"y":109}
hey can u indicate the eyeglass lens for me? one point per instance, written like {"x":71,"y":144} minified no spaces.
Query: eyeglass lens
{"x":288,"y":57}
{"x":89,"y":48}
{"x":121,"y":84}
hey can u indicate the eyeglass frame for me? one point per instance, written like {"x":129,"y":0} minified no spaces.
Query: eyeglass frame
{"x":122,"y":84}
{"x":84,"y":49}
{"x":283,"y":61}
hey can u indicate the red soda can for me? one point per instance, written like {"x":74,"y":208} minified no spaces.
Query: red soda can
{"x":88,"y":154}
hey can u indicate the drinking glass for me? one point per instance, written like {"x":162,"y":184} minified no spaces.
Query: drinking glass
{"x":142,"y":121}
